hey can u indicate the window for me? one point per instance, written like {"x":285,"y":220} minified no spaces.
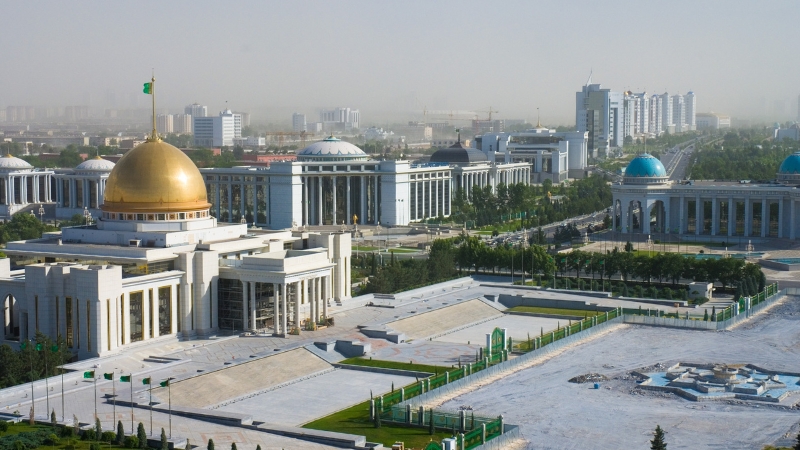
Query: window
{"x":165,"y":310}
{"x":136,"y":314}
{"x":88,"y":326}
{"x":68,"y":308}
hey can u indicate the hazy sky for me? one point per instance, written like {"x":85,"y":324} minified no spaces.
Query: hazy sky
{"x":392,"y":58}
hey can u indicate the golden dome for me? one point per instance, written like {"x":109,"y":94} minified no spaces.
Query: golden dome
{"x":155,"y":177}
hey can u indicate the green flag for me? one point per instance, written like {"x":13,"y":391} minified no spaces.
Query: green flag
{"x":125,"y":378}
{"x":54,"y":349}
{"x":148,"y":88}
{"x":23,"y":345}
{"x":146,"y":380}
{"x":89,"y":374}
{"x":164,"y":383}
{"x":108,"y":376}
{"x":39,"y":347}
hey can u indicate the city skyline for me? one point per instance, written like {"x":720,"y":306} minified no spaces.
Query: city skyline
{"x":393,"y":63}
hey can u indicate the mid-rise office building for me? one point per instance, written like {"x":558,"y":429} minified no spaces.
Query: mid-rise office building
{"x":182,"y":123}
{"x":679,"y":113}
{"x":667,"y":124}
{"x":299,"y":122}
{"x":690,"y":103}
{"x":219,"y":131}
{"x":712,"y":121}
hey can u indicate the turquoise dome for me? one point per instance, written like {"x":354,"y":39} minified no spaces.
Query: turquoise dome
{"x":646,"y":165}
{"x":790,"y":165}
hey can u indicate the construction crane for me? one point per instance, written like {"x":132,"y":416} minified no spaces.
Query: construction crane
{"x":283,"y":134}
{"x":489,"y":111}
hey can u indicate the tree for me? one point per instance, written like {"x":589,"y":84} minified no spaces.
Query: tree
{"x":797,"y":444}
{"x":141,"y":435}
{"x":628,"y":247}
{"x":3,"y":426}
{"x":705,"y":315}
{"x":98,"y":428}
{"x":120,"y":433}
{"x":233,"y":446}
{"x":53,"y":420}
{"x":210,"y":445}
{"x":431,"y":426}
{"x":258,"y":447}
{"x":164,"y":443}
{"x":658,"y":440}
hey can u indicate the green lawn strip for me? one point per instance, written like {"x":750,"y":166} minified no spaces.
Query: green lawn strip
{"x":63,"y":443}
{"x":355,"y":420}
{"x":364,"y":249}
{"x":360,"y":361}
{"x":556,"y":311}
{"x":402,"y":250}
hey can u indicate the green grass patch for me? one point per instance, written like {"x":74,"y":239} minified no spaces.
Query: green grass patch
{"x":402,"y":250}
{"x":365,"y":249}
{"x":556,"y":311}
{"x":63,"y":443}
{"x":355,"y":420}
{"x":360,"y":361}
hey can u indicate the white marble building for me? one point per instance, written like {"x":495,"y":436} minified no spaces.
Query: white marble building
{"x":157,"y":266}
{"x":714,"y":208}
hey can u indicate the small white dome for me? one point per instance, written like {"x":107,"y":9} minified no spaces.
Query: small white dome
{"x":97,"y":164}
{"x":9,"y":162}
{"x":331,"y":148}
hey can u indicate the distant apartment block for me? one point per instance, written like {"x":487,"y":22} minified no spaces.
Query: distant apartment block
{"x":340,"y":119}
{"x":712,"y":121}
{"x":600,"y":113}
{"x":196,"y":110}
{"x":165,"y":123}
{"x":217,"y":131}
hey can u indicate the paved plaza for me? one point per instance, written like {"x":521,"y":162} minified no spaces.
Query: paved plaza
{"x":556,"y":414}
{"x":279,"y":381}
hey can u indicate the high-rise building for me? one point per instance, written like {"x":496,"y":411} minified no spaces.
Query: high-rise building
{"x":798,"y":108}
{"x":666,"y":111}
{"x":182,"y":123}
{"x":244,"y":118}
{"x":629,"y":111}
{"x":299,"y":122}
{"x":641,"y":124}
{"x":196,"y":110}
{"x":656,"y":111}
{"x":679,"y":113}
{"x":165,"y":123}
{"x":600,"y":112}
{"x":217,"y":131}
{"x":690,"y":103}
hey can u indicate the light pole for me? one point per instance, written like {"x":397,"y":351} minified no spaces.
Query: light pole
{"x":41,"y":213}
{"x":378,"y":230}
{"x":87,"y":216}
{"x":649,"y":245}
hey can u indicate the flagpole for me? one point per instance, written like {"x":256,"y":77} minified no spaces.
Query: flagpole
{"x":153,"y":94}
{"x":150,"y":385}
{"x":46,"y":385}
{"x":169,"y":394}
{"x":33,"y":402}
{"x":95,"y":395}
{"x":114,"y":392}
{"x":63,"y":419}
{"x":131,"y":405}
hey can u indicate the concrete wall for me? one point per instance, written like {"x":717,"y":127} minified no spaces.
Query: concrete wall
{"x":510,"y":301}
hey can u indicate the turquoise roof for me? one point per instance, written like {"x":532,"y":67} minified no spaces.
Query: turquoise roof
{"x":645,"y":165}
{"x":791,"y":165}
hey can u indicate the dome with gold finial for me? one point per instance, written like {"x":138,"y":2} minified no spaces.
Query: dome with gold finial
{"x":154,"y":179}
{"x":12,"y":163}
{"x":96,"y":164}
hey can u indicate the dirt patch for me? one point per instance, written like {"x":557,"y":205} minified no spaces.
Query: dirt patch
{"x":588,"y":378}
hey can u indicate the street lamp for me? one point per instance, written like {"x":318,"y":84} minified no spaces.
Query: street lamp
{"x":41,"y":213}
{"x":649,"y":243}
{"x":378,"y":230}
{"x":243,"y":221}
{"x":86,"y":215}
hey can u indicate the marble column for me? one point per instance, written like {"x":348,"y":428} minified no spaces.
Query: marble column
{"x":792,"y":220}
{"x":252,"y":305}
{"x":349,"y":218}
{"x":284,"y":311}
{"x":276,"y":323}
{"x":714,"y":216}
{"x":245,"y":308}
{"x":748,"y":217}
{"x":297,"y":294}
{"x":764,"y":217}
{"x":320,"y":199}
{"x":731,"y":216}
{"x":698,"y":213}
{"x":780,"y":219}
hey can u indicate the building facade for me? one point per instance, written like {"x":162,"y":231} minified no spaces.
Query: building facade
{"x":156,"y":266}
{"x":647,"y":202}
{"x":22,"y":187}
{"x":599,"y":112}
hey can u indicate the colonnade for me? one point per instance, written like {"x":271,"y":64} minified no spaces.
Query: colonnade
{"x":467,"y":179}
{"x":79,"y":192}
{"x":714,"y":215}
{"x":289,"y":298}
{"x":361,"y":198}
{"x":24,"y":188}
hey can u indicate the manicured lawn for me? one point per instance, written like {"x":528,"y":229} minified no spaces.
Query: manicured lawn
{"x":402,"y":250}
{"x":355,"y":420}
{"x":365,"y":249}
{"x":23,"y":427}
{"x":558,"y":311}
{"x":360,"y":361}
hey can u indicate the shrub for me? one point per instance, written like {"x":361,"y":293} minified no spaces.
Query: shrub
{"x":108,"y":436}
{"x":89,"y":435}
{"x":141,"y":435}
{"x":131,"y":442}
{"x":52,"y":439}
{"x":3,"y":426}
{"x":67,"y":432}
{"x":94,"y":446}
